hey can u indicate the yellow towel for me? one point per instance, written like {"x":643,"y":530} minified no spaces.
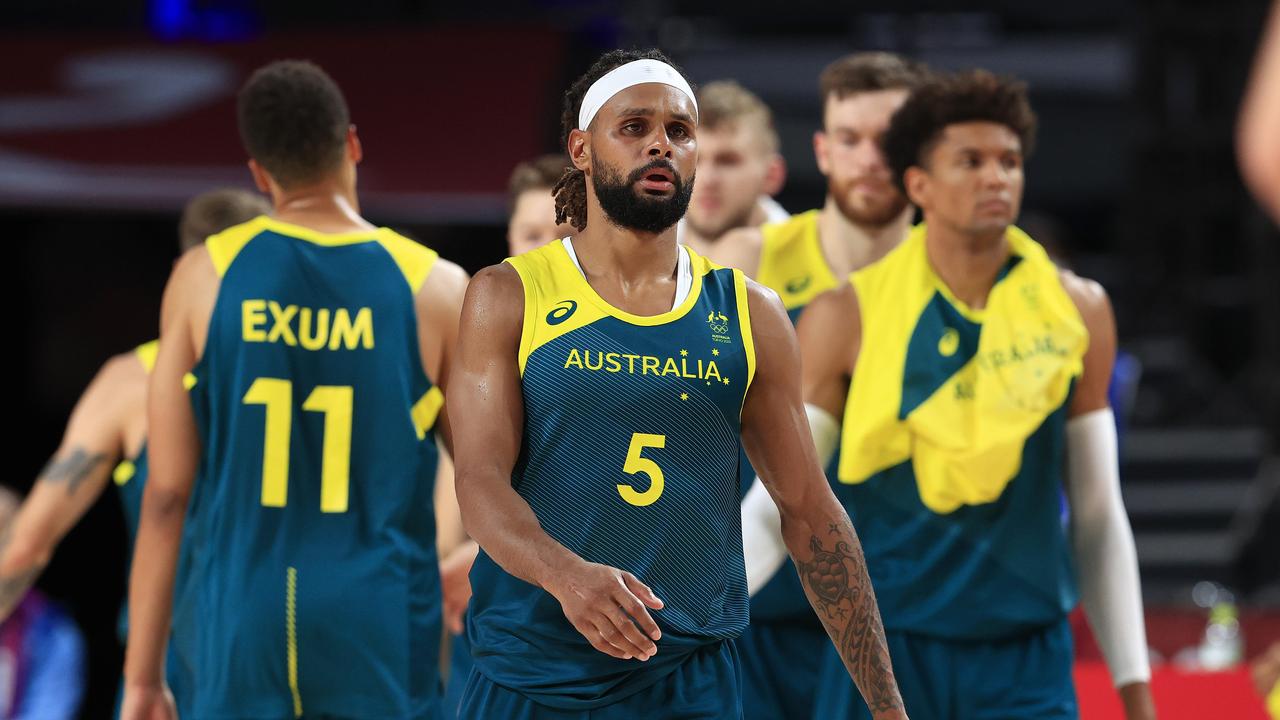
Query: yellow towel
{"x":965,"y":436}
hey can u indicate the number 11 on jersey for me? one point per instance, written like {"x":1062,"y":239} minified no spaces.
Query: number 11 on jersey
{"x":336,"y":402}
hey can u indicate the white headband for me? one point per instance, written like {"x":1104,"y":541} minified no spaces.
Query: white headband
{"x":625,"y":76}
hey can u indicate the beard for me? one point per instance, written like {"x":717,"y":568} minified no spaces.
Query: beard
{"x":640,"y":212}
{"x":874,"y":214}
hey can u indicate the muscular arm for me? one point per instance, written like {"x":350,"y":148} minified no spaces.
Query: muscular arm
{"x":1258,"y":135}
{"x":73,"y":478}
{"x":1101,"y":536}
{"x":487,"y":407}
{"x":174,"y":451}
{"x":815,"y":527}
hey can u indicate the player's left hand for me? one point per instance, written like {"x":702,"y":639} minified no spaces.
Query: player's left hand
{"x":455,"y":583}
{"x":153,"y":702}
{"x":1137,"y":700}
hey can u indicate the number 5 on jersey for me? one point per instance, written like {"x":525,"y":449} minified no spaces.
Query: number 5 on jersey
{"x":336,"y":402}
{"x":635,"y":464}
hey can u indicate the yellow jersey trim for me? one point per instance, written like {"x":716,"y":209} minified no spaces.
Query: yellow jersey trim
{"x":791,"y":260}
{"x":291,"y":636}
{"x":744,"y":329}
{"x":700,"y":266}
{"x":226,"y":245}
{"x":146,"y":353}
{"x":317,"y":237}
{"x":414,"y":260}
{"x":124,"y":472}
{"x":426,"y":410}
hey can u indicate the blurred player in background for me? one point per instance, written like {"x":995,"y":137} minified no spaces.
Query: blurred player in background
{"x":981,"y":393}
{"x":107,"y":430}
{"x":531,"y":223}
{"x":740,"y":168}
{"x":316,"y":344}
{"x":603,"y":384}
{"x":864,"y":216}
{"x":1258,"y":138}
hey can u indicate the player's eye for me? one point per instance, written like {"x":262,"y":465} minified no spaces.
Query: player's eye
{"x":635,"y":127}
{"x":678,"y":131}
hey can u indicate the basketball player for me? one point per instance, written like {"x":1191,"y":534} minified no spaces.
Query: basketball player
{"x":107,"y":430}
{"x":740,"y":168}
{"x":1258,"y":140}
{"x":864,"y":216}
{"x":316,"y":343}
{"x":602,"y":385}
{"x":531,"y":223}
{"x":981,"y":394}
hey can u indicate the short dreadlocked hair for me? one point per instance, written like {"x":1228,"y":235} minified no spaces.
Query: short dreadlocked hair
{"x":571,"y":191}
{"x":973,"y":96}
{"x":293,"y":121}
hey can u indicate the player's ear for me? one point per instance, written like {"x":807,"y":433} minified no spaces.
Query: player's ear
{"x":775,"y":175}
{"x":354,"y":149}
{"x":579,"y":150}
{"x":260,"y":177}
{"x":917,"y":181}
{"x":820,"y":151}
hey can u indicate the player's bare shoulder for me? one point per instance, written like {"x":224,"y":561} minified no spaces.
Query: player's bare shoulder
{"x":122,"y":381}
{"x":1091,"y":300}
{"x":441,"y":294}
{"x":495,"y":301}
{"x":740,"y":248}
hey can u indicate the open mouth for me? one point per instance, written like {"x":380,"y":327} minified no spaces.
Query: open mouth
{"x":658,"y":180}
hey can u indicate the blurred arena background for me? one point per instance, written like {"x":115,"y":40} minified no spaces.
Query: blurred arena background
{"x":113,"y":114}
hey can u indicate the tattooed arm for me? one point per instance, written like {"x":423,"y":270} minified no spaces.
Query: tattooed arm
{"x":815,"y":527}
{"x":74,"y":478}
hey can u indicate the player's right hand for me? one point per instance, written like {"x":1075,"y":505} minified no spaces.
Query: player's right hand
{"x":610,"y":607}
{"x":148,"y":703}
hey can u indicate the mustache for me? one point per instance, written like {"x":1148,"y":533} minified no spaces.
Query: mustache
{"x":658,"y":164}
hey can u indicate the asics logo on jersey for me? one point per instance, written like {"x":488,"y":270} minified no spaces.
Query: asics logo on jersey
{"x":562,"y":312}
{"x":797,"y":285}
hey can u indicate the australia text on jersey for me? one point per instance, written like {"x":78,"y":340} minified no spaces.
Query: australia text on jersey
{"x":632,"y":364}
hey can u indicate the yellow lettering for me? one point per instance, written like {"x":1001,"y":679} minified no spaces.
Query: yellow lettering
{"x":599,"y":360}
{"x":670,"y":368}
{"x":649,"y":363}
{"x":253,"y":314}
{"x":631,"y":362}
{"x":684,"y":368}
{"x":349,"y":334}
{"x":614,"y":364}
{"x":574,"y":359}
{"x":280,"y":323}
{"x":712,"y":371}
{"x":313,"y":340}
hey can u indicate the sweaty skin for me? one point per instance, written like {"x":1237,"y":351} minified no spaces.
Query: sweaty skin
{"x":636,"y":272}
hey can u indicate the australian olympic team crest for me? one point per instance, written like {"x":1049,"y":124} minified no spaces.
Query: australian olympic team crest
{"x":718,"y":323}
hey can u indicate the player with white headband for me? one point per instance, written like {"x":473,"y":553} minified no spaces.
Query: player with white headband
{"x":604,"y":385}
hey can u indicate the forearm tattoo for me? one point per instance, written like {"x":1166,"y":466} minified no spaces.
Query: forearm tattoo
{"x":72,"y":469}
{"x":835,"y":578}
{"x":13,"y":587}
